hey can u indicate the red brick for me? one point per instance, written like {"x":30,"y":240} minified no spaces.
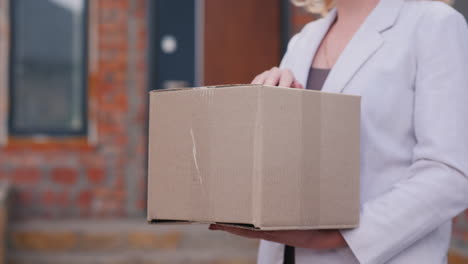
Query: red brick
{"x":119,"y":182}
{"x":121,"y":100}
{"x":119,"y":195}
{"x":108,"y":16}
{"x":96,"y":175}
{"x":3,"y":174}
{"x":465,"y":236}
{"x":66,"y":176}
{"x":52,"y":199}
{"x":116,"y":104}
{"x":84,"y":199}
{"x":121,"y":46}
{"x":110,"y":129}
{"x":26,"y":176}
{"x":141,"y":204}
{"x":121,"y":140}
{"x":112,"y":38}
{"x":48,"y":198}
{"x":92,"y":160}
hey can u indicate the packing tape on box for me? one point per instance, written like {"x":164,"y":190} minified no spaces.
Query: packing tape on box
{"x":258,"y":161}
{"x":309,"y":185}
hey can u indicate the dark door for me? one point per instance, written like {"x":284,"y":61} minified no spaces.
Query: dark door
{"x":207,"y":42}
{"x":172,"y":43}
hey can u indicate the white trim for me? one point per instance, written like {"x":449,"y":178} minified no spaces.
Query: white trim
{"x":200,"y":43}
{"x":93,"y":36}
{"x":93,"y":68}
{"x":4,"y":63}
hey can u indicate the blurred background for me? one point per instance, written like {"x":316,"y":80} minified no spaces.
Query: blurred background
{"x":74,"y":80}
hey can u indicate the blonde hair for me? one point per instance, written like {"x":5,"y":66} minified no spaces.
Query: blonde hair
{"x":322,"y":6}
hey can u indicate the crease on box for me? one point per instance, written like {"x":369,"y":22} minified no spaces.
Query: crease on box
{"x":209,"y":97}
{"x":195,"y":160}
{"x":201,"y":190}
{"x":320,"y":167}
{"x":258,"y":162}
{"x":307,"y":189}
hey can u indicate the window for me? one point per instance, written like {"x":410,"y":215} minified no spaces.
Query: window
{"x":48,"y":75}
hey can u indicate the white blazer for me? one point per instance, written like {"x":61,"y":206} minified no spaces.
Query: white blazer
{"x":409,"y":62}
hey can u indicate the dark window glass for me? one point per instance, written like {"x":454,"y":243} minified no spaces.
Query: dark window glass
{"x":48,"y":67}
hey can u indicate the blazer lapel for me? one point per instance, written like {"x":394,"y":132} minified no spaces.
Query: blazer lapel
{"x":365,"y":43}
{"x":306,"y":50}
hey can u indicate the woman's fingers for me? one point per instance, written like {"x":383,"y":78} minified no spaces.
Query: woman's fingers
{"x":286,"y":78}
{"x":260,"y":79}
{"x":273,"y":77}
{"x":277,"y":77}
{"x":297,"y":85}
{"x":266,"y":235}
{"x":317,"y":240}
{"x":238,"y":231}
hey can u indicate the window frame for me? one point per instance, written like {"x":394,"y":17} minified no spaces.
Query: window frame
{"x":53,"y":133}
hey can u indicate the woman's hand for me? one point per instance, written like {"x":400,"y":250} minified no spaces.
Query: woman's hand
{"x":278,"y":77}
{"x":311,"y":239}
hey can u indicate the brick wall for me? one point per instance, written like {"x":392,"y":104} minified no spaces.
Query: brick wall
{"x":103,"y":174}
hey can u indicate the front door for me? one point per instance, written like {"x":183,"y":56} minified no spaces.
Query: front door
{"x":242,"y":39}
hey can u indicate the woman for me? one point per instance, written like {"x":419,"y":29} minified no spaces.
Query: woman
{"x":408,"y":59}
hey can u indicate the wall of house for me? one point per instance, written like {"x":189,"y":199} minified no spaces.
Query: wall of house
{"x":101,"y":175}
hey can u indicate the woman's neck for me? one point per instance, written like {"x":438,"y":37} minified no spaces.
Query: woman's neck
{"x":354,"y":11}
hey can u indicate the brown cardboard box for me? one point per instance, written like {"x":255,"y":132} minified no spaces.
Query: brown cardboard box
{"x":260,"y":157}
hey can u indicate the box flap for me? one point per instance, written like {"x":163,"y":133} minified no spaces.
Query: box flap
{"x":204,"y":87}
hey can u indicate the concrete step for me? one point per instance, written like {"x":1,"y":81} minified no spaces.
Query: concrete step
{"x":124,"y":241}
{"x":127,"y":257}
{"x":132,"y":241}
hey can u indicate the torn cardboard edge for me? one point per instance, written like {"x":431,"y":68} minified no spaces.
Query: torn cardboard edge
{"x":249,"y":226}
{"x":242,"y":85}
{"x":205,"y":87}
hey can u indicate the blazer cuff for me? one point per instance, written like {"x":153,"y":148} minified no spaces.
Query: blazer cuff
{"x":358,"y":244}
{"x":367,"y":244}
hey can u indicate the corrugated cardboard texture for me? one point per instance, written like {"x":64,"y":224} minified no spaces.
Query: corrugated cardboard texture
{"x":274,"y":158}
{"x":201,"y":154}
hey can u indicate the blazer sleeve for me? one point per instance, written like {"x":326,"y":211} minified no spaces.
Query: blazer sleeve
{"x":435,"y":188}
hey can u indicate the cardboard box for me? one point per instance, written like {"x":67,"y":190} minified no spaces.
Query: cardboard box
{"x":260,"y":157}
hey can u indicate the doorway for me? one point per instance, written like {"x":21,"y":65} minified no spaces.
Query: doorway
{"x":209,"y":42}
